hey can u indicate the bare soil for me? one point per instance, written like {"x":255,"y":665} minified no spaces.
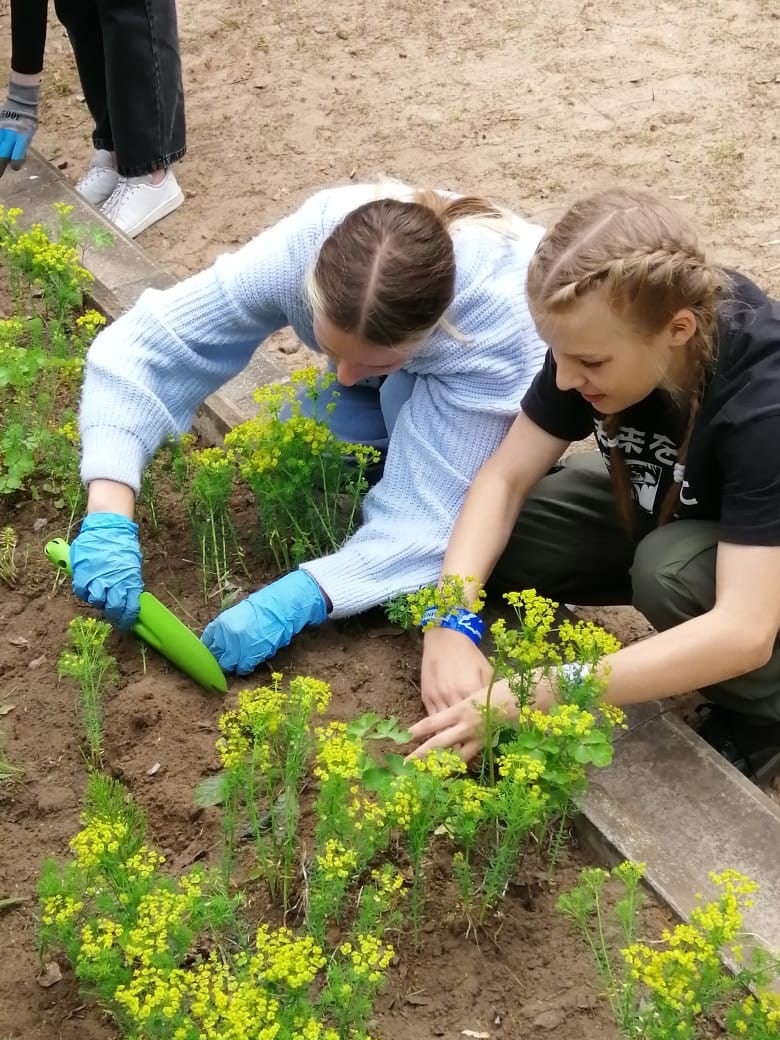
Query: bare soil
{"x":527,"y":976}
{"x":531,"y":104}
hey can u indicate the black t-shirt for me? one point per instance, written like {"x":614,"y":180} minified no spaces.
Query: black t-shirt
{"x":732,"y":473}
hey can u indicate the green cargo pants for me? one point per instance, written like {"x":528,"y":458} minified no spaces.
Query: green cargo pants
{"x":570,"y":545}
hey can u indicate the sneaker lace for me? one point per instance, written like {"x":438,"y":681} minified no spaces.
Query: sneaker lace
{"x":123,"y":191}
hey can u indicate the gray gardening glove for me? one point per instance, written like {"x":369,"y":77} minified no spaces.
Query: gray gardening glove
{"x":18,"y":123}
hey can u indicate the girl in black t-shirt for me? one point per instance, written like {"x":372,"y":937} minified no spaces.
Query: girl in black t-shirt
{"x":674,"y":365}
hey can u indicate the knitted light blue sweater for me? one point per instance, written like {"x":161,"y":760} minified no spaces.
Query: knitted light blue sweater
{"x":148,"y":372}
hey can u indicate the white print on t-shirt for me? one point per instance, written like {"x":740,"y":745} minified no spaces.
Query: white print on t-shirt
{"x":646,"y":474}
{"x":687,"y":499}
{"x":645,"y":480}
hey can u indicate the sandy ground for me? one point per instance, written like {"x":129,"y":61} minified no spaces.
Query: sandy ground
{"x":531,"y":104}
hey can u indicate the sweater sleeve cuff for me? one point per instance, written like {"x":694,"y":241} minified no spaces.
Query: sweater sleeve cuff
{"x":352,"y":584}
{"x":112,"y":454}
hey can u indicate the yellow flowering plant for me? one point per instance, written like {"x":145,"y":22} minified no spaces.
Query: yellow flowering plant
{"x":171,"y":959}
{"x":94,"y":669}
{"x":307,"y":484}
{"x":208,"y":494}
{"x":42,"y":347}
{"x":265,"y":746}
{"x":667,"y":989}
{"x":407,"y":610}
{"x":352,"y":826}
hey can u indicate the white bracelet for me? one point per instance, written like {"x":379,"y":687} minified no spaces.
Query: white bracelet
{"x":575,"y":671}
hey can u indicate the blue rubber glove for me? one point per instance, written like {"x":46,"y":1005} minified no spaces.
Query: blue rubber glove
{"x":243,"y":636}
{"x":18,"y":123}
{"x":106,"y":562}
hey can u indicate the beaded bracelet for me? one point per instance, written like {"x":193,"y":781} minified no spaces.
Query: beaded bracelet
{"x":574,"y":671}
{"x":459,"y":620}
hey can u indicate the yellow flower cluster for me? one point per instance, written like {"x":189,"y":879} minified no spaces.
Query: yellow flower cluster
{"x":759,"y":1016}
{"x":521,"y":769}
{"x":563,"y":720}
{"x":60,"y":910}
{"x":722,"y":921}
{"x":337,"y":861}
{"x":338,"y":753}
{"x":472,"y":798}
{"x":89,"y":322}
{"x":12,"y":331}
{"x":159,"y":914}
{"x":10,"y":216}
{"x":100,"y":837}
{"x":403,"y":804}
{"x":94,"y":942}
{"x":153,"y":991}
{"x":365,"y":812}
{"x":143,"y":863}
{"x":585,"y":641}
{"x":441,"y":764}
{"x":260,"y":444}
{"x":223,"y":1006}
{"x":448,"y":596}
{"x":367,"y":957}
{"x":40,"y":257}
{"x":212,"y":460}
{"x":387,"y":880}
{"x":671,"y":975}
{"x":259,"y":712}
{"x":70,"y":432}
{"x":537,"y":612}
{"x":313,"y":1029}
{"x":284,"y":957}
{"x":229,"y":1008}
{"x":614,"y":715}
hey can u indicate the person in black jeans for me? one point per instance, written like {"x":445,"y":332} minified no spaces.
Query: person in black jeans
{"x":127,"y":55}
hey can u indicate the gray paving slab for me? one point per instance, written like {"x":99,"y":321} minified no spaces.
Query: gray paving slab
{"x":670,"y":801}
{"x":122,"y":271}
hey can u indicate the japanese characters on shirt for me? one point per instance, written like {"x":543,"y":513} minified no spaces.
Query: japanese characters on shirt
{"x":651,"y":462}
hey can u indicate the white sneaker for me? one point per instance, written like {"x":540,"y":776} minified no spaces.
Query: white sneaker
{"x":100,"y":180}
{"x":136,"y":203}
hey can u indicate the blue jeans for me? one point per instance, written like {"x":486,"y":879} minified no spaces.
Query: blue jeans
{"x":127,"y":54}
{"x":365,"y":413}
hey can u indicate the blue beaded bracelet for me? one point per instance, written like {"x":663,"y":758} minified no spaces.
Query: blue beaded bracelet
{"x":459,"y":620}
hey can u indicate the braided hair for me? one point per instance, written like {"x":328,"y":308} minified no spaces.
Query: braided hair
{"x":647,"y":260}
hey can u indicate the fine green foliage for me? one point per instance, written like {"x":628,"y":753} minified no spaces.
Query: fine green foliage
{"x":94,"y":670}
{"x":667,"y":989}
{"x":163,"y":957}
{"x":307,"y":485}
{"x":42,"y":348}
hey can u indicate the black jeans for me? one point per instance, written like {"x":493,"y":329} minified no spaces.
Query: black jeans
{"x":127,"y":54}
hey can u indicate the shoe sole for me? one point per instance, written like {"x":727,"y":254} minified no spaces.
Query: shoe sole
{"x":163,"y":210}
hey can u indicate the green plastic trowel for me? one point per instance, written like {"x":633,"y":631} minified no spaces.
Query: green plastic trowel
{"x":162,"y":630}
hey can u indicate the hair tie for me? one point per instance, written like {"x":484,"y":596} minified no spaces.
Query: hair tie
{"x":679,"y":473}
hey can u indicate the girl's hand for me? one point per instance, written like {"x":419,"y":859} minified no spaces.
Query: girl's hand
{"x":452,"y":668}
{"x":461,"y":726}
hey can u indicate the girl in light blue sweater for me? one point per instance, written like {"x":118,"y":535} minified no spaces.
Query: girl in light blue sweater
{"x":424,"y":289}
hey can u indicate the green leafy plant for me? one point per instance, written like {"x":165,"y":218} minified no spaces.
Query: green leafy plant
{"x":42,"y":348}
{"x":307,"y":484}
{"x":94,"y":670}
{"x":208,"y":496}
{"x":170,"y":957}
{"x":667,"y":989}
{"x":265,"y":744}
